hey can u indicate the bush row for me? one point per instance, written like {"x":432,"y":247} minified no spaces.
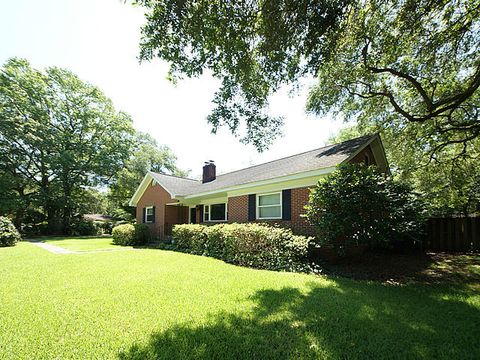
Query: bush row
{"x":255,"y":245}
{"x":9,"y":235}
{"x":128,"y":234}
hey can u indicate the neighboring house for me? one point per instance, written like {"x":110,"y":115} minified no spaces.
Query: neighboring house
{"x":274,"y":192}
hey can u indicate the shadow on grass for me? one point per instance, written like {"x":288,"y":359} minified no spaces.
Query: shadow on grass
{"x":346,"y":320}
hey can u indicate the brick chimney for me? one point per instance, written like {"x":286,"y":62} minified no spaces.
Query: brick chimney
{"x":209,"y":171}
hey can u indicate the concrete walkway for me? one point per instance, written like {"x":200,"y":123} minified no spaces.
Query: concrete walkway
{"x":52,"y":248}
{"x":59,"y":250}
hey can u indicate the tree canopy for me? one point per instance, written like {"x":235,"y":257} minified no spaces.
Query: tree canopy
{"x":396,"y":62}
{"x":359,"y":205}
{"x":58,"y":136}
{"x":451,"y":184}
{"x":148,"y":156}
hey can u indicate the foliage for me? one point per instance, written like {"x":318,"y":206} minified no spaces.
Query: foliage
{"x":450,"y":183}
{"x":124,"y":234}
{"x":358,"y":205}
{"x":253,"y":47}
{"x":142,"y":234}
{"x":85,"y":227}
{"x":9,"y":235}
{"x":413,"y":65}
{"x":128,"y":234}
{"x":148,"y":156}
{"x":395,"y":61}
{"x":105,"y":226}
{"x":254,"y":245}
{"x":154,"y":304}
{"x":59,"y":136}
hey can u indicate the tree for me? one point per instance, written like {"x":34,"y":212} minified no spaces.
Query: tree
{"x":396,"y":61}
{"x":58,"y":136}
{"x":148,"y":156}
{"x":252,"y":46}
{"x":451,"y":184}
{"x":411,"y":65}
{"x":358,"y":205}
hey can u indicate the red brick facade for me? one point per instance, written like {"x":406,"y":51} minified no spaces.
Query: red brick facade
{"x":168,"y":215}
{"x":238,"y":212}
{"x":165,"y":215}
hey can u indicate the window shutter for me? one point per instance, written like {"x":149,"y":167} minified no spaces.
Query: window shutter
{"x":201,"y":213}
{"x":251,"y":207}
{"x":287,"y":204}
{"x":153,"y":210}
{"x":144,"y":214}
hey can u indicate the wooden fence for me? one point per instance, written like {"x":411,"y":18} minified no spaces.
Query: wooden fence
{"x":460,"y":234}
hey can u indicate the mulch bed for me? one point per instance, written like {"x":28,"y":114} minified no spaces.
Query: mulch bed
{"x":413,"y":267}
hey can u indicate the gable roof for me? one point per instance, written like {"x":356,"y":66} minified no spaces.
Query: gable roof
{"x":325,"y":157}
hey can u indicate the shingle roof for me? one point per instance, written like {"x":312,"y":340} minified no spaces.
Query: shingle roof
{"x":175,"y":184}
{"x":324,"y":157}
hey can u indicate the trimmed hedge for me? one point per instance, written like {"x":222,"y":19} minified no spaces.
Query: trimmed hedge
{"x":123,"y":234}
{"x":128,"y":234}
{"x":9,"y":235}
{"x":254,"y":245}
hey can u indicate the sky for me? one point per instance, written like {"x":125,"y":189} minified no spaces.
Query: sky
{"x":99,"y":41}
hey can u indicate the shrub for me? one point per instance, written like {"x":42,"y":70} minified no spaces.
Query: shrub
{"x":9,"y":235}
{"x":84,"y":227}
{"x":358,"y":205}
{"x":254,"y":245}
{"x":190,"y":238}
{"x":128,"y":234}
{"x":124,"y":234}
{"x":142,"y":234}
{"x":105,"y":226}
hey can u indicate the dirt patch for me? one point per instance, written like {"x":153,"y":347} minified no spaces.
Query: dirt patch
{"x":415,"y":267}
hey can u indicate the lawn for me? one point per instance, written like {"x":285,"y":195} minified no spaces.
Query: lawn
{"x":149,"y":304}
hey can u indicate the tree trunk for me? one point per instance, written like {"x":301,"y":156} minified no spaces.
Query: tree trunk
{"x":67,"y":205}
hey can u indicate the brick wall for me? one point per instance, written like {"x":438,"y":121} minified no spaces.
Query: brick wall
{"x":238,"y":212}
{"x":237,"y":207}
{"x":154,"y":196}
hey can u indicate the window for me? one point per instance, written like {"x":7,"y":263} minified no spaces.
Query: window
{"x":215,"y":212}
{"x":149,"y":214}
{"x":269,"y":206}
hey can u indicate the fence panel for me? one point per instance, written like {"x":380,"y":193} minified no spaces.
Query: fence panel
{"x":453,"y":234}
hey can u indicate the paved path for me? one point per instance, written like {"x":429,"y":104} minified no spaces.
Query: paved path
{"x":59,"y":250}
{"x":52,"y":248}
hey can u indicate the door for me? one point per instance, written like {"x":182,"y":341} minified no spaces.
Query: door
{"x":193,"y":215}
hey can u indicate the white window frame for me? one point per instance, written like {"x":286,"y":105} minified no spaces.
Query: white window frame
{"x":146,"y":214}
{"x":205,"y":206}
{"x":258,"y":206}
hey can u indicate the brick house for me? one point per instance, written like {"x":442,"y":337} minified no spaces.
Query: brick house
{"x":273,"y":192}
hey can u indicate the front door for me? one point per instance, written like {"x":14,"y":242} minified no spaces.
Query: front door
{"x":193,"y":215}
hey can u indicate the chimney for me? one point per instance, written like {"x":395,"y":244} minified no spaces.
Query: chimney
{"x":209,"y":171}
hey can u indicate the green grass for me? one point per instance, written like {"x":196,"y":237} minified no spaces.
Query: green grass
{"x":84,"y":243}
{"x":149,"y":304}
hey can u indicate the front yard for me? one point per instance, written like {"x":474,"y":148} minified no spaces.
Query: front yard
{"x":148,"y":303}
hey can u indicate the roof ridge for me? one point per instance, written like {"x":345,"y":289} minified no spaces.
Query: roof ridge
{"x":301,"y":153}
{"x":175,"y":176}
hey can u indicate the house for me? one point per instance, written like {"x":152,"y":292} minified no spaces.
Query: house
{"x":274,"y":192}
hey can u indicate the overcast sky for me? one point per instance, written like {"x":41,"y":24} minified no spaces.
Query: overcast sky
{"x":98,"y":40}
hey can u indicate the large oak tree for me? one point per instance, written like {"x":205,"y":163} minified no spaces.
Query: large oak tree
{"x":58,"y":136}
{"x":407,"y":62}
